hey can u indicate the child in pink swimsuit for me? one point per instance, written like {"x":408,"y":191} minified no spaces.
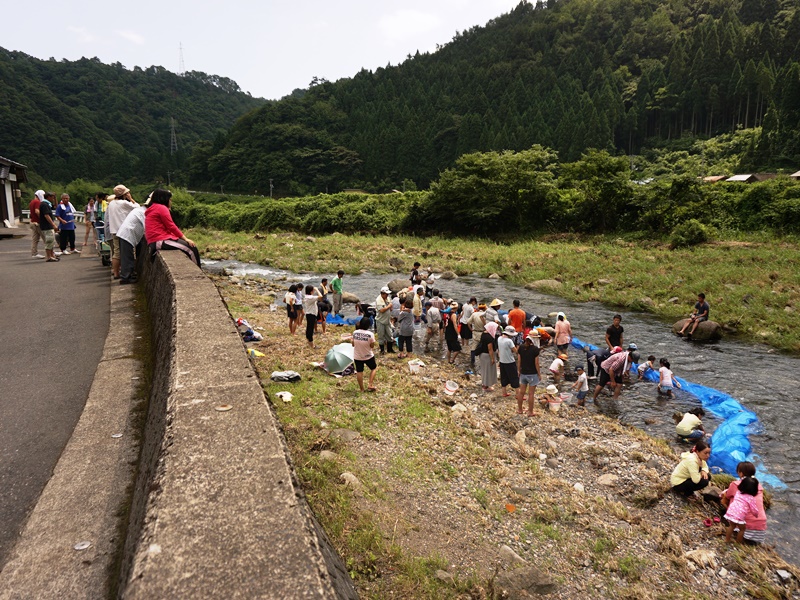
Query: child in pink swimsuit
{"x":743,"y":502}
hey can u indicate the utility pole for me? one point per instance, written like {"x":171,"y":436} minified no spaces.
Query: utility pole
{"x":181,"y":66}
{"x":270,"y":189}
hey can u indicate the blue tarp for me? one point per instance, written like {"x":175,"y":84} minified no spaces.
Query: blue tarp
{"x":730,"y":444}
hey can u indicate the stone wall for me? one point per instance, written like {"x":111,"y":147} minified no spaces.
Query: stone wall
{"x":216,"y":510}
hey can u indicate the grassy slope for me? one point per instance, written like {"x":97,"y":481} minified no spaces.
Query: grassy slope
{"x":753,"y":286}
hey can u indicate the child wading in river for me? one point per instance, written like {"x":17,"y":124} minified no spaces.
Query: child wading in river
{"x":742,"y":505}
{"x":666,"y":380}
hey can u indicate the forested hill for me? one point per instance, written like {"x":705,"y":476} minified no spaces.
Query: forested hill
{"x":87,"y":119}
{"x":621,"y":75}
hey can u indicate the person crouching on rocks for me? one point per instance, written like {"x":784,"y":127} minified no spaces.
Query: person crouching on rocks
{"x":692,"y":472}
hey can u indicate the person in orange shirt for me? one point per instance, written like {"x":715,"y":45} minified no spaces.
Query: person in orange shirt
{"x":516,"y":318}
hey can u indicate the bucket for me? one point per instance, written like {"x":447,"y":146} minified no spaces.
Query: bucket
{"x":554,"y":405}
{"x":450,"y":387}
{"x":565,"y":396}
{"x":415,"y":365}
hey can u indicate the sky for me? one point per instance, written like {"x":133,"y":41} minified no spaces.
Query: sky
{"x":268,"y":47}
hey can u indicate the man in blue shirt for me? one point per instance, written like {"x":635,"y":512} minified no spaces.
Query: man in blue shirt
{"x":65,"y":215}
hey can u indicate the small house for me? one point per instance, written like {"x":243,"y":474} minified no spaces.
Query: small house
{"x":11,"y":175}
{"x":714,"y":178}
{"x":795,"y":175}
{"x":752,"y":177}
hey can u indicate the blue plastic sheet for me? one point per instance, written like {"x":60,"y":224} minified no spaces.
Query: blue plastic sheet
{"x":730,"y":443}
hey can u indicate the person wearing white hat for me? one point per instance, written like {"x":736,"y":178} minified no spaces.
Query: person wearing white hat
{"x":383,"y":320}
{"x":529,"y":374}
{"x":507,"y":354}
{"x":116,"y":213}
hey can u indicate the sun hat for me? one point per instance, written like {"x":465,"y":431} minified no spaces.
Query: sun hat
{"x":496,"y":302}
{"x":563,"y":356}
{"x":551,"y":389}
{"x":561,"y":314}
{"x":632,"y":346}
{"x":385,"y":290}
{"x":534,"y":334}
{"x":454,"y":304}
{"x":120,"y":190}
{"x":491,"y":328}
{"x":509,"y":330}
{"x":481,"y":307}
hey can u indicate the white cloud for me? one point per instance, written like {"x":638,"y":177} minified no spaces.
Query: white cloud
{"x":81,"y":34}
{"x":404,"y":24}
{"x":131,"y":36}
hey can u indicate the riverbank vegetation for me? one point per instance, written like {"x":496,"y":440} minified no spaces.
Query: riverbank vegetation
{"x":426,"y":498}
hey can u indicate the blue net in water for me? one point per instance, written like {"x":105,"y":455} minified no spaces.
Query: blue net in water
{"x":730,"y":443}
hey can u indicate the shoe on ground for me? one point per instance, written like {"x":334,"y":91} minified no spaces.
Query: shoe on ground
{"x":76,"y":251}
{"x":38,"y":256}
{"x":55,"y":259}
{"x":67,"y":251}
{"x":58,"y":253}
{"x":126,"y":281}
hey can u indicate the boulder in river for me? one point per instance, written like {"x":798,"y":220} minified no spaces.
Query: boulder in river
{"x":349,"y":298}
{"x":398,"y":284}
{"x":707,"y":330}
{"x":448,"y":275}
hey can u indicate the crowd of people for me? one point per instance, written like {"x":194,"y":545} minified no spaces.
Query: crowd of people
{"x":117,"y":219}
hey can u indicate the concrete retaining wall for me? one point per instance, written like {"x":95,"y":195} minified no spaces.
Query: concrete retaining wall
{"x":216,"y":511}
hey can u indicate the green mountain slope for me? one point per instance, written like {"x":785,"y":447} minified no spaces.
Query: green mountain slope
{"x":620,"y":75}
{"x":87,"y":119}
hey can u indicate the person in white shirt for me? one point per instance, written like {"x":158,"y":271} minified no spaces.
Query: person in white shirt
{"x":117,"y":210}
{"x":363,"y":342}
{"x":582,"y":385}
{"x":666,"y":380}
{"x":310,"y":308}
{"x":131,"y":248}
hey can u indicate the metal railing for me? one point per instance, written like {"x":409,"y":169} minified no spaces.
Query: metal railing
{"x":80,"y":217}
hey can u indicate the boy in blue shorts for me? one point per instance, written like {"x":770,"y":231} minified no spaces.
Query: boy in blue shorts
{"x":582,"y":385}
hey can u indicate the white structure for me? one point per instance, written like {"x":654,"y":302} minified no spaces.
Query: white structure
{"x":795,"y":175}
{"x":11,"y":175}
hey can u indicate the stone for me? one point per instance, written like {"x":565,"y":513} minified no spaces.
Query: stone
{"x":494,"y":276}
{"x":543,"y":456}
{"x":345,"y":435}
{"x":522,"y":491}
{"x":448,"y":275}
{"x":671,"y":544}
{"x":784,"y":575}
{"x":544,"y":284}
{"x":552,"y":447}
{"x":396,"y":262}
{"x":398,"y":284}
{"x":458,"y":408}
{"x":707,"y":330}
{"x":578,"y":487}
{"x":723,"y":572}
{"x":508,"y":555}
{"x":444,"y":576}
{"x":350,"y":480}
{"x":650,"y":421}
{"x":524,"y":582}
{"x":552,"y":463}
{"x":311,"y":238}
{"x":646,"y":301}
{"x":603,"y":281}
{"x":519,"y":437}
{"x":608,"y":479}
{"x":328,"y":455}
{"x":788,"y":309}
{"x":674,"y":300}
{"x":653,"y":464}
{"x":350,"y":298}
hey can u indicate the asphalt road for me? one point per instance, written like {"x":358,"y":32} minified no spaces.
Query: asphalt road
{"x":53,"y":321}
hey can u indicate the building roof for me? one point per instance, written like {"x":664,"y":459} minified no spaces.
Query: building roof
{"x":747,"y":177}
{"x":795,"y":175}
{"x":714,"y":178}
{"x":9,"y":166}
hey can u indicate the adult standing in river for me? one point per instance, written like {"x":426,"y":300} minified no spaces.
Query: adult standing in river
{"x":611,"y":371}
{"x":614,"y":333}
{"x":383,"y":320}
{"x":336,"y":287}
{"x":563,"y":333}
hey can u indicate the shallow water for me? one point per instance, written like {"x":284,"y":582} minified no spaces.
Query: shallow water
{"x":761,"y":379}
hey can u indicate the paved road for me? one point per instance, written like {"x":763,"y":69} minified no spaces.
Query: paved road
{"x":53,"y":322}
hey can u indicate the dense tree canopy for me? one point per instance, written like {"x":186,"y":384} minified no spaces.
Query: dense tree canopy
{"x":616,"y":75}
{"x":68,"y":119}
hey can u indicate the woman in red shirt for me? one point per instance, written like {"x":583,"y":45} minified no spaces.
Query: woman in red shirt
{"x":160,"y":230}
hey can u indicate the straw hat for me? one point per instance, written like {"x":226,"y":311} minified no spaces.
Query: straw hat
{"x":496,"y":302}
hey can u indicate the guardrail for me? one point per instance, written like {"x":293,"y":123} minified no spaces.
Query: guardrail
{"x":79,"y":216}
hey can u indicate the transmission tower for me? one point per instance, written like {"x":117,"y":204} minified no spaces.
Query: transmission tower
{"x":173,"y":139}
{"x":181,"y":66}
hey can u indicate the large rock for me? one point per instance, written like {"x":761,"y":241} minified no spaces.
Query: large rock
{"x":544,"y":284}
{"x":398,"y":284}
{"x":349,"y":298}
{"x":448,"y":275}
{"x":707,"y":330}
{"x":524,"y":582}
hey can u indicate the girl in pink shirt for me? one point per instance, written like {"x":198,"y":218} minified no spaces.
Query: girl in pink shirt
{"x":742,"y":506}
{"x":160,"y":230}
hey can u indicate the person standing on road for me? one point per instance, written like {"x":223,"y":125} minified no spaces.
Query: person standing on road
{"x":118,"y":209}
{"x":90,"y":216}
{"x":336,"y":286}
{"x":65,"y":214}
{"x":131,"y":234}
{"x":48,"y":225}
{"x":383,"y":321}
{"x":36,"y":231}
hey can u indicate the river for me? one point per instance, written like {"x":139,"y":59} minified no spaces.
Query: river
{"x":760,"y":378}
